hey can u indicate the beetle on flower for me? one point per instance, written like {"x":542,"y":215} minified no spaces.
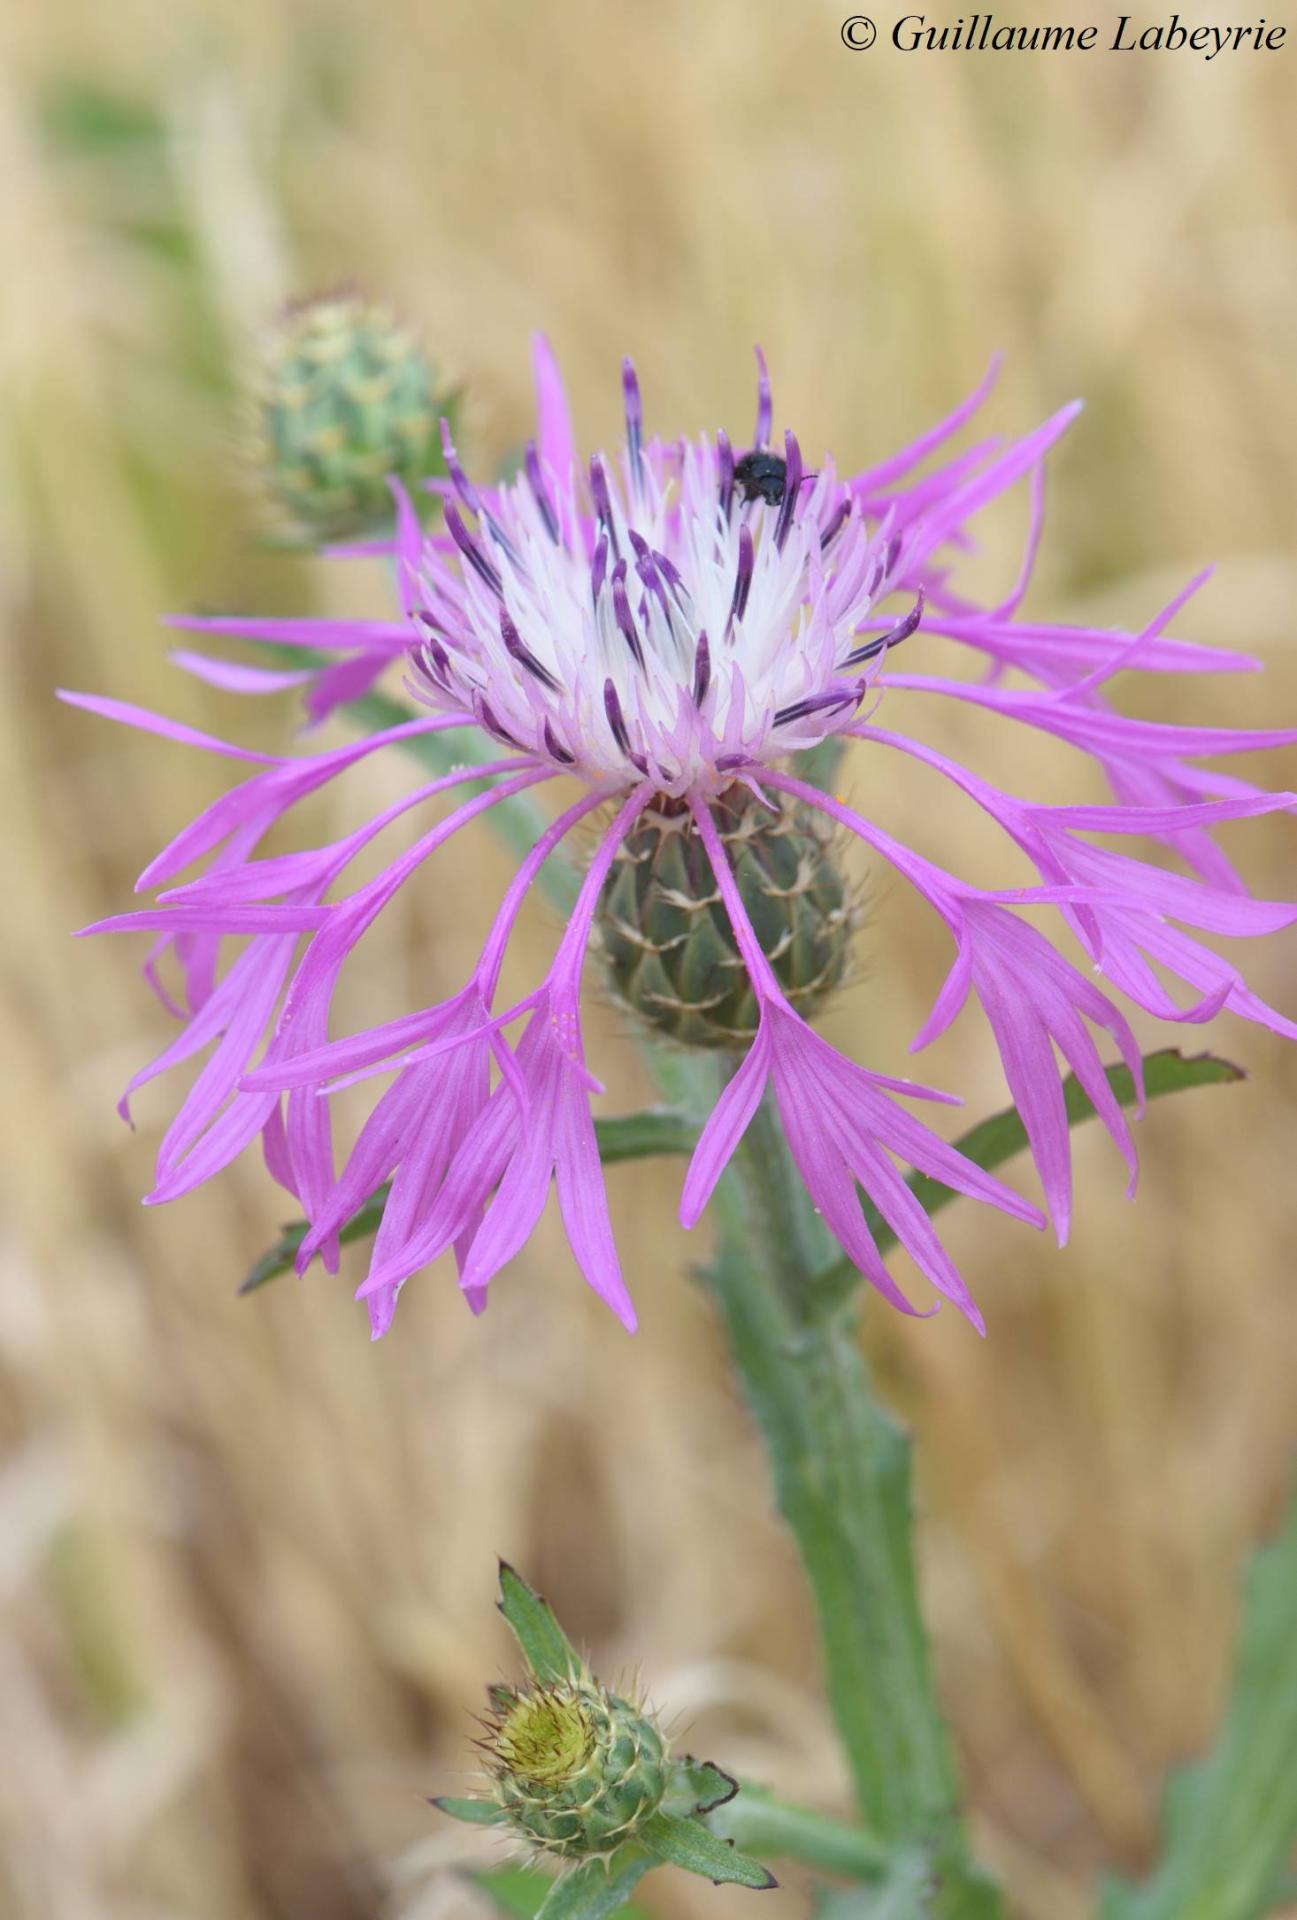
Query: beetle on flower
{"x":667,"y":637}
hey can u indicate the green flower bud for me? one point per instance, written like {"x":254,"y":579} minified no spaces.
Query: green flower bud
{"x":347,"y":397}
{"x":575,"y":1769}
{"x":665,"y":937}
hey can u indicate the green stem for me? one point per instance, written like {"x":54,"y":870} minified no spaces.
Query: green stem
{"x":842,"y":1478}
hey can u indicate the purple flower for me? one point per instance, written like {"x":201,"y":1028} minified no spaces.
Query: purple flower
{"x":665,"y":629}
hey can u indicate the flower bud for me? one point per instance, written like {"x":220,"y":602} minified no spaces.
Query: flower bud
{"x":347,"y":397}
{"x":665,"y":937}
{"x":575,"y":1769}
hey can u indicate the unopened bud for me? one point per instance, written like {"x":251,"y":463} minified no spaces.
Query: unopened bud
{"x":575,"y":1769}
{"x":347,"y":397}
{"x":665,"y":937}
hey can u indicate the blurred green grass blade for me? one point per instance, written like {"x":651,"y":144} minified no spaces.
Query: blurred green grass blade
{"x":79,"y":115}
{"x":517,"y":1893}
{"x":1231,"y":1820}
{"x":534,"y":1624}
{"x":900,"y":1895}
{"x":625,"y":1136}
{"x":993,"y":1141}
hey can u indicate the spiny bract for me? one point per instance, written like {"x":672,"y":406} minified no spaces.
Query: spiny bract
{"x":576,"y":1769}
{"x":348,"y":396}
{"x":666,"y":939}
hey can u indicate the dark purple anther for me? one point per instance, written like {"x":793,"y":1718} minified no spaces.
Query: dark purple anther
{"x":669,"y":570}
{"x":603,"y":502}
{"x":616,"y":719}
{"x":537,"y":486}
{"x":702,"y":669}
{"x":436,"y":664}
{"x":838,"y":520}
{"x":765,"y":405}
{"x":725,"y":466}
{"x":742,"y":579}
{"x":598,"y":568}
{"x":464,"y":540}
{"x":518,"y":649}
{"x":818,"y":703}
{"x":622,"y":613}
{"x":463,"y":485}
{"x":886,"y":641}
{"x":634,"y":421}
{"x":487,"y":718}
{"x":731,"y":762}
{"x":792,"y":486}
{"x":555,"y":750}
{"x":893,"y":554}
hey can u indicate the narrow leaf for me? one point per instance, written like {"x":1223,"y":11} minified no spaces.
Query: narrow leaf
{"x":625,"y":1136}
{"x":596,"y":1888}
{"x":684,"y":1843}
{"x":999,"y":1138}
{"x":478,"y":1813}
{"x":546,"y":1648}
{"x":1231,"y":1821}
{"x":760,"y":1824}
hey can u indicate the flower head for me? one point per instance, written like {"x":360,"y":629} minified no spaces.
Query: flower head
{"x":575,"y":1769}
{"x":667,"y":630}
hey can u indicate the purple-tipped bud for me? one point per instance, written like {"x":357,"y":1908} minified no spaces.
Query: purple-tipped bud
{"x":518,"y":650}
{"x":702,"y":669}
{"x":634,"y":419}
{"x":742,"y":579}
{"x":765,"y":403}
{"x":792,"y":487}
{"x":893,"y":638}
{"x":464,"y":540}
{"x":622,"y":613}
{"x":725,"y":468}
{"x":537,"y":484}
{"x":463,"y":485}
{"x":616,"y":718}
{"x":603,"y":502}
{"x":837,"y":520}
{"x":598,"y":568}
{"x":554,"y":747}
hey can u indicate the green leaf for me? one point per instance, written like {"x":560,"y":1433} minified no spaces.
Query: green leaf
{"x":518,"y":1893}
{"x":1231,"y":1821}
{"x":760,"y":1824}
{"x":626,"y":1136}
{"x":546,"y":1648}
{"x":477,"y":1813}
{"x":596,"y":1888}
{"x":696,"y":1786}
{"x":993,"y":1141}
{"x":684,"y":1843}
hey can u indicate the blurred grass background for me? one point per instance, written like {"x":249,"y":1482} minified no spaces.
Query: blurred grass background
{"x":246,"y":1558}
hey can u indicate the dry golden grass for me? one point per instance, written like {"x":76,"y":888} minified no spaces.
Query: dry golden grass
{"x":246,"y":1558}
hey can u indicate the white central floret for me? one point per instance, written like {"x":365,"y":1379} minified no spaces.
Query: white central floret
{"x":666,"y":621}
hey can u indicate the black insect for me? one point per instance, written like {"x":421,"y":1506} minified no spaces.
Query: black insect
{"x":761,"y":476}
